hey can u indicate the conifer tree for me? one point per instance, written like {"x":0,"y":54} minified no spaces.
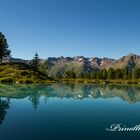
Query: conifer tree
{"x":4,"y":52}
{"x":35,"y":62}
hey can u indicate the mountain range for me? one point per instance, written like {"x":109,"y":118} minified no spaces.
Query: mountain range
{"x":79,"y":64}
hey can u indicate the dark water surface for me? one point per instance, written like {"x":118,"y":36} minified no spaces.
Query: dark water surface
{"x":68,"y":111}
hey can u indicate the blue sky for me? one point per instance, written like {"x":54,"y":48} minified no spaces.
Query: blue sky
{"x":102,"y":28}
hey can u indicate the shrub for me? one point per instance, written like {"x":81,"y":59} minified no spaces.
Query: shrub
{"x":6,"y":80}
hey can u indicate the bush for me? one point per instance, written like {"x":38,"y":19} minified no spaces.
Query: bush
{"x":25,"y":80}
{"x":6,"y":80}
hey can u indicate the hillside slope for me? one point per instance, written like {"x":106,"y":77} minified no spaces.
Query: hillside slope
{"x":20,"y":73}
{"x":79,"y":64}
{"x":58,"y":67}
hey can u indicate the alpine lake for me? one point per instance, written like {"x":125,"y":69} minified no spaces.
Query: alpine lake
{"x":61,"y":111}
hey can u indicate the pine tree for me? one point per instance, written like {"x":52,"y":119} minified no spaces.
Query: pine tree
{"x":35,"y":62}
{"x":4,"y":52}
{"x":110,"y":73}
{"x":118,"y":74}
{"x":93,"y":75}
{"x":136,"y":73}
{"x":104,"y":71}
{"x":125,"y":73}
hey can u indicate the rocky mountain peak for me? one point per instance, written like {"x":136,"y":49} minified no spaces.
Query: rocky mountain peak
{"x":81,"y":64}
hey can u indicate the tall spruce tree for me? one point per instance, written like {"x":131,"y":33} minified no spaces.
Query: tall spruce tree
{"x":104,"y":71}
{"x":35,"y":62}
{"x":4,"y":52}
{"x":125,"y":73}
{"x":118,"y":74}
{"x":136,"y":73}
{"x":110,"y":73}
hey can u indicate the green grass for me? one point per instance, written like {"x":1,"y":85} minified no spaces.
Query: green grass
{"x":99,"y":81}
{"x":21,"y":73}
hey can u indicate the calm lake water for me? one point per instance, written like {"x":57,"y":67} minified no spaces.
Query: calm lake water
{"x":68,"y":111}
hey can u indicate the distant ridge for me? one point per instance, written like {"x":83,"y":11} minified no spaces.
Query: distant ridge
{"x":80,"y":64}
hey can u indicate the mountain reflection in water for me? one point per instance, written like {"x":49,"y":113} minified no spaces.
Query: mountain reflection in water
{"x":75,"y":91}
{"x":72,"y":110}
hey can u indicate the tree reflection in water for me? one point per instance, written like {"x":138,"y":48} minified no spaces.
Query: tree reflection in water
{"x":35,"y":101}
{"x":60,"y":90}
{"x":4,"y":105}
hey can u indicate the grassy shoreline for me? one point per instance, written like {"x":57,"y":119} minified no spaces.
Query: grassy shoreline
{"x":30,"y":80}
{"x":99,"y":81}
{"x":20,"y":73}
{"x":134,"y":83}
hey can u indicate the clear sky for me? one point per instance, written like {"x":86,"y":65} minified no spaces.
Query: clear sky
{"x":102,"y":28}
